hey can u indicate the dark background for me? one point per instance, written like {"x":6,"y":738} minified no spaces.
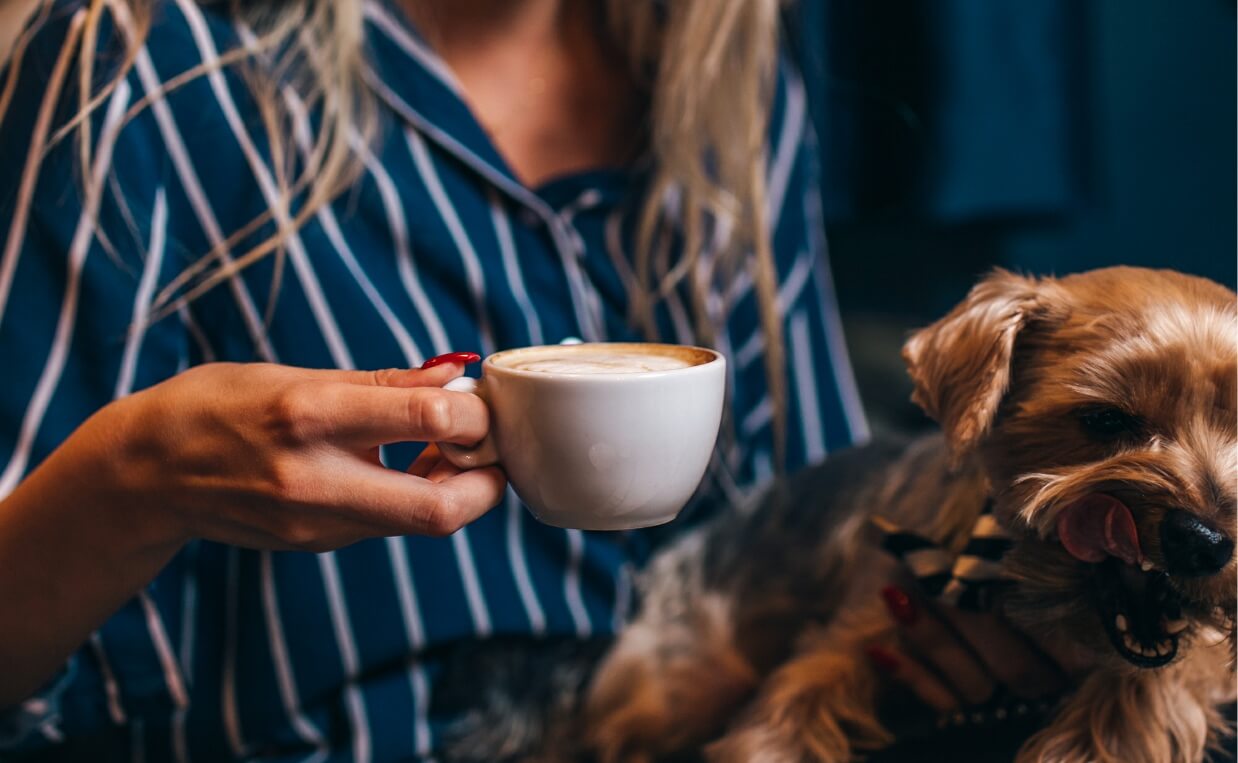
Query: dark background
{"x":1047,"y":136}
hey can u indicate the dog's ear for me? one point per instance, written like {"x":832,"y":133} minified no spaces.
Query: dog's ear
{"x":961,"y":363}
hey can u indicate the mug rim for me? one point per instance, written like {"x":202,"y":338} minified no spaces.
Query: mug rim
{"x":489,"y":366}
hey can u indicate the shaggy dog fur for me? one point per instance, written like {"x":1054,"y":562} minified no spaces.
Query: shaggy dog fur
{"x":1056,"y":398}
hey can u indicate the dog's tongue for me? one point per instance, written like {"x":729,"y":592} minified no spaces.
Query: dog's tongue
{"x":1099,"y":526}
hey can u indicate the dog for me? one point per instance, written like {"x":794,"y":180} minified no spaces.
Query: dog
{"x":1092,"y":419}
{"x":1096,"y":415}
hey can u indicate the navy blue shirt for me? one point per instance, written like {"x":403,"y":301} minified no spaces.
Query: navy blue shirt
{"x":234,"y":653}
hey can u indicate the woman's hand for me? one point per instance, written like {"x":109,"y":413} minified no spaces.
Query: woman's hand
{"x":274,"y":457}
{"x":262,"y":456}
{"x":956,"y":661}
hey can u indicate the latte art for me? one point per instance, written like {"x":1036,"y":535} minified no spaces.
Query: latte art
{"x":583,"y":361}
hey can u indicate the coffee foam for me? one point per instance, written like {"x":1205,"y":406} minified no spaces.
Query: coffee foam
{"x":591,"y":360}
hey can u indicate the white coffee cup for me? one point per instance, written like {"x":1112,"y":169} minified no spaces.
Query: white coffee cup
{"x":593,"y":446}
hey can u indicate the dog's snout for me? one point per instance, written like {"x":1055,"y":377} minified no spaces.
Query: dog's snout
{"x":1193,"y":548}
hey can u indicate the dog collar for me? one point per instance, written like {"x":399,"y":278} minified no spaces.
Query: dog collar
{"x":969,"y":579}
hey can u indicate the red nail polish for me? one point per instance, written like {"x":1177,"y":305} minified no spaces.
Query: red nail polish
{"x":463,"y":358}
{"x":883,"y":658}
{"x":900,"y":605}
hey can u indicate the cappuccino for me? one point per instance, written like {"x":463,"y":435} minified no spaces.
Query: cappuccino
{"x":599,"y":359}
{"x":602,"y":436}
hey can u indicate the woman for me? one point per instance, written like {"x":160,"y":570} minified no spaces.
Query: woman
{"x":200,"y":202}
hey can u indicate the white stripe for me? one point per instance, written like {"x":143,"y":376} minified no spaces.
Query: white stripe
{"x":575,"y":253}
{"x":124,"y":382}
{"x":279,"y":656}
{"x":464,"y":246}
{"x":835,"y":340}
{"x":228,"y":708}
{"x":348,"y":656}
{"x":189,"y":610}
{"x":192,"y":187}
{"x":801,"y":356}
{"x":759,"y":417}
{"x":163,"y":648}
{"x":583,"y":297}
{"x":411,"y":45}
{"x":111,"y":689}
{"x":410,"y":612}
{"x":331,"y":335}
{"x":762,"y":467}
{"x":725,"y":479}
{"x":788,"y":294}
{"x":614,"y":245}
{"x":562,"y":239}
{"x":571,"y":583}
{"x":199,"y":337}
{"x":520,"y":565}
{"x":146,"y":287}
{"x":511,"y":269}
{"x":34,"y":159}
{"x":477,"y":289}
{"x":788,"y":146}
{"x":394,"y":209}
{"x":36,"y":408}
{"x":422,"y":741}
{"x":326,"y":217}
{"x":296,"y":249}
{"x":472,"y":586}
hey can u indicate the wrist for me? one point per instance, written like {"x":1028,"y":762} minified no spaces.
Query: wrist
{"x":119,"y":461}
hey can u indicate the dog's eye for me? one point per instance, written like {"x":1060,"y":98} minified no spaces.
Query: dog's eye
{"x":1108,"y":421}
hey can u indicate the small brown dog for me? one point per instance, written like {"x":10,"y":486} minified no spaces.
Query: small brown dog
{"x":1096,"y":414}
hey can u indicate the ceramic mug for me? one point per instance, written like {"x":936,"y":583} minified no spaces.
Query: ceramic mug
{"x":599,"y":447}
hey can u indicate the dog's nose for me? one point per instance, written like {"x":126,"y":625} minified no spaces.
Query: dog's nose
{"x":1191,"y":547}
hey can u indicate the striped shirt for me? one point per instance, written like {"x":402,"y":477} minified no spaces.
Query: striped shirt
{"x":239,"y":654}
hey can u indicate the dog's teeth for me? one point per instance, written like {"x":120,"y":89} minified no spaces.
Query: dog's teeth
{"x":1146,"y":565}
{"x":1173,"y":627}
{"x":1129,"y":641}
{"x":1163,"y":649}
{"x":1120,"y":622}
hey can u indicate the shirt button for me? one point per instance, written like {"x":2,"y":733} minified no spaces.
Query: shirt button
{"x":529,"y":217}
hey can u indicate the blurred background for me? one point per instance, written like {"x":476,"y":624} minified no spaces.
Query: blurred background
{"x":1046,"y":136}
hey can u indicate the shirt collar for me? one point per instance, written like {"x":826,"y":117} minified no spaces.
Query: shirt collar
{"x":415,"y":83}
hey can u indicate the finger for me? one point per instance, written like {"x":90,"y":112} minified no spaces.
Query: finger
{"x":915,"y":677}
{"x":435,"y":375}
{"x":404,"y":504}
{"x":375,"y":415}
{"x":1008,"y":655}
{"x":941,"y":649}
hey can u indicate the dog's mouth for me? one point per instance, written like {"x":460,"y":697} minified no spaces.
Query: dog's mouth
{"x":1137,"y":604}
{"x":1141,"y":612}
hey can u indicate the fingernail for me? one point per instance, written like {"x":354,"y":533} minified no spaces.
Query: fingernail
{"x":882,"y":658}
{"x":900,"y":605}
{"x":463,"y":358}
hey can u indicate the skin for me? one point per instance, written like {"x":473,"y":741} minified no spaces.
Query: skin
{"x":255,"y":455}
{"x":274,"y":457}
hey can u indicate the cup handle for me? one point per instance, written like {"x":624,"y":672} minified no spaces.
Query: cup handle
{"x":483,"y":453}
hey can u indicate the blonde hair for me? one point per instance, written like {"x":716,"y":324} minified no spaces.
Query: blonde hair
{"x":707,"y":66}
